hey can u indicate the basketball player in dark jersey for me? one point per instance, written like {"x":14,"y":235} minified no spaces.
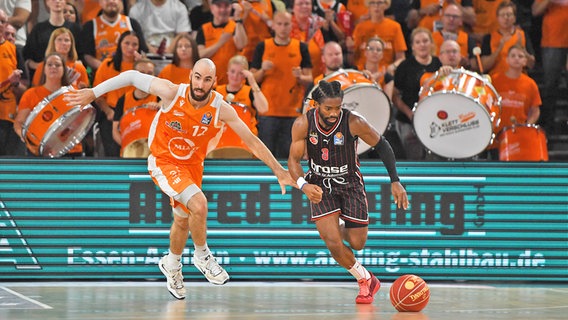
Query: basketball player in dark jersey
{"x":334,"y":185}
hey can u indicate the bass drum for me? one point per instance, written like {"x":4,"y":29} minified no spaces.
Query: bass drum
{"x":522,"y":142}
{"x":362,"y":96}
{"x":456,"y":116}
{"x":134,"y":130}
{"x":53,"y":127}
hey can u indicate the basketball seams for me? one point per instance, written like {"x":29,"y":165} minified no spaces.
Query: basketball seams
{"x":396,"y":292}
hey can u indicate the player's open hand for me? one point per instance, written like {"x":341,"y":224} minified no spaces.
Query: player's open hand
{"x":79,"y":97}
{"x":399,"y":194}
{"x":313,"y":192}
{"x":284,"y":179}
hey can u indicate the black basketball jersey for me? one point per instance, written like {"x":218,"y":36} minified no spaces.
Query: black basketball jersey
{"x":333,"y":152}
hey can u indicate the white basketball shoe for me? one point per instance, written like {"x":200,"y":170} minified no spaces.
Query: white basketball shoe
{"x":175,"y":279}
{"x":211,"y":269}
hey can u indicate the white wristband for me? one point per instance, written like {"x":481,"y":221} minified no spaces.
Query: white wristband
{"x":301,"y":182}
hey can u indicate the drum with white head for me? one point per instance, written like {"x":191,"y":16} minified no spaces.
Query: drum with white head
{"x":362,"y":96}
{"x":53,"y":127}
{"x":456,"y":116}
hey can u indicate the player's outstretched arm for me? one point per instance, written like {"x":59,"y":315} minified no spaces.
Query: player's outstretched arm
{"x":147,"y":83}
{"x":230,"y":117}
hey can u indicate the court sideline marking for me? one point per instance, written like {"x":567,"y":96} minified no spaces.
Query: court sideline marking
{"x":21,"y":296}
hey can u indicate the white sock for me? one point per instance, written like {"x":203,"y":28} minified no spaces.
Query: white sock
{"x":201,"y":251}
{"x":172,"y":261}
{"x":359,"y":272}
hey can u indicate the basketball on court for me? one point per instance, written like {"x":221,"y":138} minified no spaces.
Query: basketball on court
{"x":409,"y":293}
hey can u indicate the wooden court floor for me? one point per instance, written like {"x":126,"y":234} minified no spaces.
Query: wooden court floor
{"x":280,"y":300}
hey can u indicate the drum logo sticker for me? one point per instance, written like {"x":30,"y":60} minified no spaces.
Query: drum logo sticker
{"x":132,"y":126}
{"x":339,"y":139}
{"x":466,"y":117}
{"x":313,"y":138}
{"x":206,"y":118}
{"x":450,"y":125}
{"x":434,"y":129}
{"x":47,"y":116}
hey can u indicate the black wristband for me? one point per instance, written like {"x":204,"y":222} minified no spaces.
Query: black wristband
{"x":384,"y":150}
{"x":239,"y":21}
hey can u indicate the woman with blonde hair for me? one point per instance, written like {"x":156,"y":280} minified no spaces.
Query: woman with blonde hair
{"x":185,"y":55}
{"x":246,"y":99}
{"x":53,"y":77}
{"x":372,"y":66}
{"x":63,"y":42}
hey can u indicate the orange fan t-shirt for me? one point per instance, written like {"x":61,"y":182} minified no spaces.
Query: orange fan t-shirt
{"x":501,"y":65}
{"x":517,"y":97}
{"x":462,"y":40}
{"x":279,"y":85}
{"x":257,"y":30}
{"x":8,"y":63}
{"x":107,"y":71}
{"x":175,"y":74}
{"x":388,"y":30}
{"x":485,"y":16}
{"x":78,"y":68}
{"x":212,"y":34}
{"x":315,"y":45}
{"x":243,"y":104}
{"x":107,"y":34}
{"x":554,"y":33}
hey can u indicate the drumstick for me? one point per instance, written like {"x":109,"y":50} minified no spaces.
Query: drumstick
{"x":477,"y":52}
{"x":3,"y":83}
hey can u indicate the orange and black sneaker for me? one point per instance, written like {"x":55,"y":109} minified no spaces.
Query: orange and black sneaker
{"x":367,"y":289}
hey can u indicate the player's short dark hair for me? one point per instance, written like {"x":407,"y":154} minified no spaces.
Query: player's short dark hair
{"x":327,"y":90}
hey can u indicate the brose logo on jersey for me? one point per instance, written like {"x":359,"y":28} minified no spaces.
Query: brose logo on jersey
{"x":328,"y":170}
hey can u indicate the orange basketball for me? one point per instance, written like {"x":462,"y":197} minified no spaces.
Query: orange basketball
{"x":409,"y":293}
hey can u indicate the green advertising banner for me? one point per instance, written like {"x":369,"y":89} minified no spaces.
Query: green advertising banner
{"x":105,"y":219}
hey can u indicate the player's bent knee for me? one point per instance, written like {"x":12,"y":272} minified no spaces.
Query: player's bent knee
{"x":334,"y":245}
{"x":358,"y":244}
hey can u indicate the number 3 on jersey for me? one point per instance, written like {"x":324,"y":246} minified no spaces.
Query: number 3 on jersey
{"x":325,"y":154}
